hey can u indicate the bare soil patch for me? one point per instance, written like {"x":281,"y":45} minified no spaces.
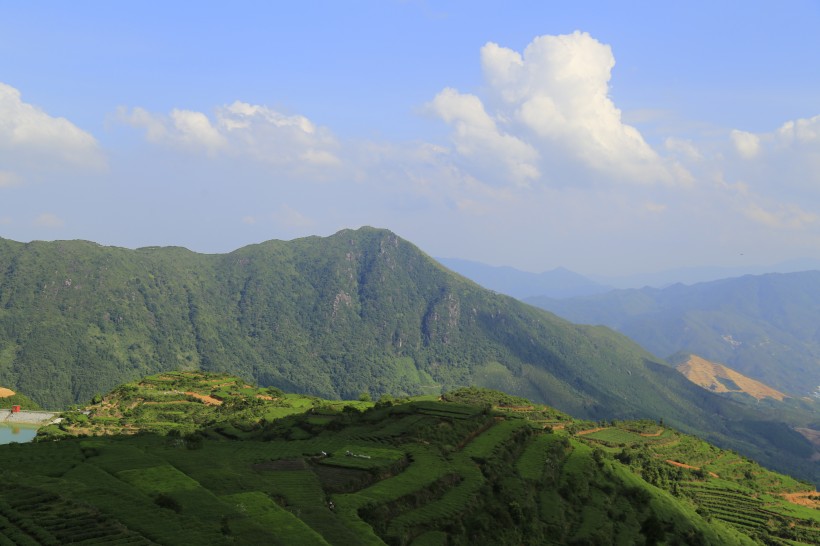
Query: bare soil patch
{"x":590,"y":431}
{"x":209,"y":400}
{"x":690,"y":467}
{"x":803,"y":498}
{"x":707,"y":374}
{"x":5,"y":393}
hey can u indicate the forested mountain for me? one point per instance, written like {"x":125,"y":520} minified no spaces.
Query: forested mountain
{"x":766,"y":327}
{"x":360,"y":311}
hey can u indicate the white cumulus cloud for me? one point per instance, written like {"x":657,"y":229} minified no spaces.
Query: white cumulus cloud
{"x":478,"y":137}
{"x":195,"y":128}
{"x":547,"y":111}
{"x":800,"y":131}
{"x":31,"y":137}
{"x":746,"y":144}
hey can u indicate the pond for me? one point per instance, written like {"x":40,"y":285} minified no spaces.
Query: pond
{"x":16,"y":433}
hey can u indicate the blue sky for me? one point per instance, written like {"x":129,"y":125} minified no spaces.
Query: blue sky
{"x":602,"y":137}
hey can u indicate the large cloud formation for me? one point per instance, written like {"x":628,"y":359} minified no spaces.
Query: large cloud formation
{"x":240,"y":129}
{"x":551,"y":117}
{"x":30,"y":138}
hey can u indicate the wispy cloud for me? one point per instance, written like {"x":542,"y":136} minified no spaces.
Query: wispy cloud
{"x":240,"y":129}
{"x":49,"y":220}
{"x":9,"y":179}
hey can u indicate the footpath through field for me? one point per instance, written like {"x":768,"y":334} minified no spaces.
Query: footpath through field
{"x":690,"y":467}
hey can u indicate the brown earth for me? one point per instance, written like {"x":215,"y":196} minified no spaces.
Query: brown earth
{"x":690,"y":467}
{"x":705,"y":373}
{"x":5,"y":393}
{"x":812,"y":436}
{"x":803,"y":498}
{"x":209,"y":400}
{"x":590,"y":431}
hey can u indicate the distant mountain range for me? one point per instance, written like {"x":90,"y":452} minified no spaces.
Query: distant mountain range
{"x":557,"y":283}
{"x":694,"y":275}
{"x":766,"y":327}
{"x":562,"y":283}
{"x":361,"y":311}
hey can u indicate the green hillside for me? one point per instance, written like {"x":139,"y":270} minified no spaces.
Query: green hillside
{"x":476,"y":467}
{"x":765,"y":327}
{"x":358,"y":312}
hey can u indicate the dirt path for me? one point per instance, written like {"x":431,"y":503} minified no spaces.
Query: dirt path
{"x":590,"y":431}
{"x":209,"y":400}
{"x":652,"y":434}
{"x":5,"y":393}
{"x":690,"y":467}
{"x":803,"y":498}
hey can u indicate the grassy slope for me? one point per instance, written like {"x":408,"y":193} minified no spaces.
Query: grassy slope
{"x":475,"y":468}
{"x":361,"y":311}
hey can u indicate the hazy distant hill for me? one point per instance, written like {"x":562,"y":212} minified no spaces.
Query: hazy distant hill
{"x":766,"y":327}
{"x":557,"y":283}
{"x":360,"y":311}
{"x":694,"y":275}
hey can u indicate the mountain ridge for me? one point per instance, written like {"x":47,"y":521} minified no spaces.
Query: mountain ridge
{"x":764,"y":326}
{"x":361,"y":311}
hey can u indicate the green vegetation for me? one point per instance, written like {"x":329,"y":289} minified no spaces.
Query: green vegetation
{"x":358,"y":313}
{"x":477,"y":467}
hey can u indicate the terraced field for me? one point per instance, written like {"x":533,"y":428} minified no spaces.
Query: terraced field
{"x":423,"y":472}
